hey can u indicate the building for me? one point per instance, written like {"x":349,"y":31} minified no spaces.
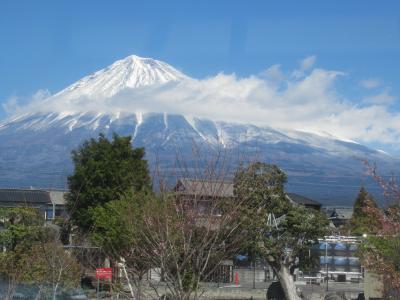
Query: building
{"x":301,"y":200}
{"x":337,"y":258}
{"x":203,"y":192}
{"x":204,"y":189}
{"x":338,"y":215}
{"x":57,"y":207}
{"x":50,"y":203}
{"x":202,"y":195}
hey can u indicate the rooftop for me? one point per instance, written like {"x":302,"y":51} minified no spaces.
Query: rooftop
{"x":219,"y":188}
{"x":24,"y":196}
{"x":205,"y":187}
{"x":298,"y":199}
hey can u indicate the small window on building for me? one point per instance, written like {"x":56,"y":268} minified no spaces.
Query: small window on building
{"x":49,"y":214}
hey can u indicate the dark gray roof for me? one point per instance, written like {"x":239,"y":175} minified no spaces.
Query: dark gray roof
{"x":24,"y":196}
{"x":341,"y":213}
{"x":302,"y":200}
{"x":205,"y":187}
{"x":225,"y":189}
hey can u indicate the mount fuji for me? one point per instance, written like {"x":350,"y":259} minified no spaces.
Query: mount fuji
{"x":36,"y":143}
{"x":129,"y":73}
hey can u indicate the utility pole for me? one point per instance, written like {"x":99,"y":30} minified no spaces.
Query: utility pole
{"x":254,"y":273}
{"x":326,"y":263}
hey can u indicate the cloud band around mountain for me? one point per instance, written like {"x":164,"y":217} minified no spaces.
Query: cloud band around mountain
{"x":305,"y":99}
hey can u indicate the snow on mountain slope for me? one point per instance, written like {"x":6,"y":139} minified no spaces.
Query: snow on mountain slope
{"x":35,"y":146}
{"x":135,"y":73}
{"x":177,"y":128}
{"x":35,"y":149}
{"x":130,"y":72}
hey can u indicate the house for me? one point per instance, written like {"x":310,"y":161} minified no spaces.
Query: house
{"x":37,"y":199}
{"x":201,"y":193}
{"x":301,"y":200}
{"x":57,"y":206}
{"x":338,"y":258}
{"x":202,"y":197}
{"x":338,"y":215}
{"x":50,"y":203}
{"x":204,"y":189}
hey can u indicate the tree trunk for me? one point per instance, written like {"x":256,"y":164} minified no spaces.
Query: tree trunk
{"x":186,"y":296}
{"x":287,"y":282}
{"x":10,"y":290}
{"x":55,"y":288}
{"x":128,"y":280}
{"x":39,"y":293}
{"x":139,"y":288}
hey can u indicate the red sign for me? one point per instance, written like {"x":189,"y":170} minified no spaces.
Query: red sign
{"x":104,"y":273}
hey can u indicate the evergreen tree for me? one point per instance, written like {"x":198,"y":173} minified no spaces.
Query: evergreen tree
{"x":261,"y":188}
{"x":362,"y":222}
{"x":105,"y":170}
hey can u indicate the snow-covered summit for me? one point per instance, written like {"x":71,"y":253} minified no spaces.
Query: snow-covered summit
{"x":130,"y":72}
{"x":121,"y":99}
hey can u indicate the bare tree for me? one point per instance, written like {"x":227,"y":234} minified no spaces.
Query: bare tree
{"x":183,"y":234}
{"x":380,"y":251}
{"x":55,"y":268}
{"x":34,"y":255}
{"x":188,"y":232}
{"x":11,"y":274}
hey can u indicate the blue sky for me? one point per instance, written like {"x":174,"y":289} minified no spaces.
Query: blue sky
{"x":50,"y":44}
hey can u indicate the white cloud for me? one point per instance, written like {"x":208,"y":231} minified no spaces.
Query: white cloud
{"x":305,"y":65}
{"x":274,"y":98}
{"x":41,"y":94}
{"x":10,"y":105}
{"x":383,"y":97}
{"x":371,"y":83}
{"x":308,"y":62}
{"x":14,"y":103}
{"x":273,"y":74}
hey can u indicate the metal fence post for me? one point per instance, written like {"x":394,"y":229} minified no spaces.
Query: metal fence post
{"x":254,"y":273}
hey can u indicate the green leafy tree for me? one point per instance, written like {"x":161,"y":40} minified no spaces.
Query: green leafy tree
{"x":33,"y":254}
{"x":20,"y":226}
{"x":20,"y":229}
{"x":295,"y":228}
{"x":105,"y":170}
{"x":260,"y":187}
{"x":362,"y":222}
{"x":118,"y":231}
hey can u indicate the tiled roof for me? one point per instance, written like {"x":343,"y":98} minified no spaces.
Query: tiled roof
{"x":344,"y":214}
{"x":205,"y":187}
{"x":24,"y":196}
{"x":302,"y":200}
{"x":339,"y":212}
{"x":225,"y":189}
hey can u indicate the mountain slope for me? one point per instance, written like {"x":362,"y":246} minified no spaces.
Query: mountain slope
{"x":35,"y":146}
{"x":130,"y":72}
{"x":36,"y":149}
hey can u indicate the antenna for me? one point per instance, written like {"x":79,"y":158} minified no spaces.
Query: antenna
{"x":271,"y":221}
